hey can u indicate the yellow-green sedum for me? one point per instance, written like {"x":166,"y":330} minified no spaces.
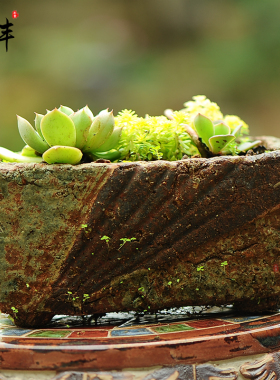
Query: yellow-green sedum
{"x":152,"y":138}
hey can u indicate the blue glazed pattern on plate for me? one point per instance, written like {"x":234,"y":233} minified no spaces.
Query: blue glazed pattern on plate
{"x":131,"y":332}
{"x":14,"y":332}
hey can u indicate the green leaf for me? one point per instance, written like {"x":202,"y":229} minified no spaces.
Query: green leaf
{"x":221,"y":129}
{"x":28,"y":151}
{"x":88,"y":112}
{"x":67,"y":110}
{"x":204,"y":128}
{"x":101,"y":128}
{"x":112,"y":155}
{"x":58,"y":129}
{"x":111,"y":141}
{"x":38,"y":119}
{"x":9,"y":156}
{"x":219,"y":142}
{"x":63,"y":155}
{"x":30,"y":136}
{"x":82,"y":123}
{"x":248,"y":145}
{"x":237,"y":130}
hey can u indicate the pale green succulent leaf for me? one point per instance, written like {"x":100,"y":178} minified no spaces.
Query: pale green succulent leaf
{"x":204,"y":128}
{"x":88,"y":112}
{"x":58,"y":129}
{"x":30,"y":136}
{"x":100,"y":130}
{"x":219,"y":142}
{"x":236,"y":132}
{"x":29,"y":152}
{"x":9,"y":156}
{"x":221,"y":129}
{"x":112,"y":141}
{"x":67,"y":110}
{"x":112,"y":155}
{"x":63,"y":155}
{"x":243,"y":147}
{"x":38,"y":119}
{"x":82,"y":123}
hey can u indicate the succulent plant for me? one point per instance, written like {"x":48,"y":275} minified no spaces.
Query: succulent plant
{"x":216,"y":138}
{"x":63,"y":136}
{"x":211,"y":132}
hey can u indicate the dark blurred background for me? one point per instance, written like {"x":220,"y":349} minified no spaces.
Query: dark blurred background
{"x":143,"y":55}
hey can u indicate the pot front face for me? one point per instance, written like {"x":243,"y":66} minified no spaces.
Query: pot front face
{"x":95,"y":238}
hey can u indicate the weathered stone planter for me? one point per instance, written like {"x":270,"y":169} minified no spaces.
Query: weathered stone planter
{"x":207,"y":232}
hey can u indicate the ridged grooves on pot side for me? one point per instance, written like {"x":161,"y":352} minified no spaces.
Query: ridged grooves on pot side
{"x":174,"y":236}
{"x":182,"y":215}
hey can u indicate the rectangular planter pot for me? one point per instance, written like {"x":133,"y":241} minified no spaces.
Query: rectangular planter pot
{"x":197,"y":232}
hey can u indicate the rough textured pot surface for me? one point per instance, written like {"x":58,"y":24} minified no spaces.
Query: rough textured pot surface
{"x":203,"y":232}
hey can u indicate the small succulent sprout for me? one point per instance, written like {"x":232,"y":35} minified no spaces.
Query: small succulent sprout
{"x":67,"y":110}
{"x":58,"y":129}
{"x":29,"y":152}
{"x":100,"y":130}
{"x":30,"y":136}
{"x":215,"y":136}
{"x":63,"y":155}
{"x":82,"y":122}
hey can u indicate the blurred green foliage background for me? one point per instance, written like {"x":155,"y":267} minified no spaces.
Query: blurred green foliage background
{"x":143,"y":55}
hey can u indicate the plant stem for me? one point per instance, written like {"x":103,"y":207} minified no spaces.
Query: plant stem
{"x":169,"y":114}
{"x":195,"y":139}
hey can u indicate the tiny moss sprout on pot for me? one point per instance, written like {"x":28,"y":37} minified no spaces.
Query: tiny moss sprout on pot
{"x":63,"y":136}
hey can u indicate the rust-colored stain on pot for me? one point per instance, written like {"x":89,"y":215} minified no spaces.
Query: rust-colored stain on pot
{"x":95,"y":238}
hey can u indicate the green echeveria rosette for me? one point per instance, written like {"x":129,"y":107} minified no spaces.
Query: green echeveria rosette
{"x":62,"y":136}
